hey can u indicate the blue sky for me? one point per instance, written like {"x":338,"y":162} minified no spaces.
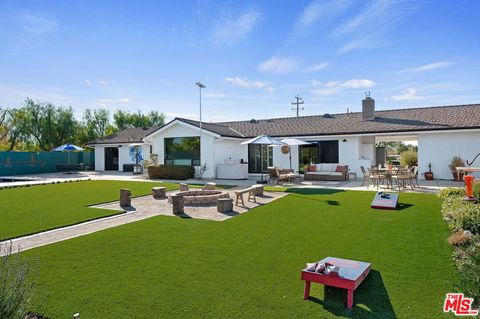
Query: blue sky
{"x":254,"y":57}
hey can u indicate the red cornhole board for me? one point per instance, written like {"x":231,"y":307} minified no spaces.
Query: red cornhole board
{"x":388,"y":202}
{"x":350,"y":276}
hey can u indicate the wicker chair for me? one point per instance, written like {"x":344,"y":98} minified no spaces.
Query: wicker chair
{"x":375,"y":176}
{"x":402,"y":178}
{"x":275,"y":176}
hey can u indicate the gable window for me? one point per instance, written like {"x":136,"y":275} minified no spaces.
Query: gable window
{"x":182,"y":151}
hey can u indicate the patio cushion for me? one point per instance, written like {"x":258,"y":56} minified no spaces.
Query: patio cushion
{"x":339,"y":168}
{"x":312,"y":168}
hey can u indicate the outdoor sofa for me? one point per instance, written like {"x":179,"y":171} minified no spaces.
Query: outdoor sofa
{"x":326,"y":172}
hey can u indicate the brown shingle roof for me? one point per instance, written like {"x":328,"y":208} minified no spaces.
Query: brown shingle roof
{"x":400,"y":120}
{"x":129,"y":135}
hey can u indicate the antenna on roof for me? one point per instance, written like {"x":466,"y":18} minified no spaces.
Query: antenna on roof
{"x":297,"y":104}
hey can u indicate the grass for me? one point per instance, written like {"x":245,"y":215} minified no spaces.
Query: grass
{"x":249,"y":266}
{"x":27,"y":210}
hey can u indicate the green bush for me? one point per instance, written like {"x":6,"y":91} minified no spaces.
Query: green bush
{"x":409,"y":158}
{"x":461,"y":214}
{"x":181,"y":172}
{"x":451,"y":191}
{"x":467,"y":260}
{"x":16,"y":287}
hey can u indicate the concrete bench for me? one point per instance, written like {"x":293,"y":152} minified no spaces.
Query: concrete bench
{"x":209,"y":186}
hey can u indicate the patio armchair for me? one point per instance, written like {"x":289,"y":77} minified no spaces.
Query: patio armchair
{"x":275,"y":176}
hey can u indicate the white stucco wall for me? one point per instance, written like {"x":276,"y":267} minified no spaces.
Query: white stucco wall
{"x":439,"y":149}
{"x":230,"y":149}
{"x":207,"y":147}
{"x":99,"y":158}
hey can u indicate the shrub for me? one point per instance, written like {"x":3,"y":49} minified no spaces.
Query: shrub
{"x":409,"y":158}
{"x":458,"y":238}
{"x":451,"y":191}
{"x":467,"y":261}
{"x":461,"y":214}
{"x":170,"y":172}
{"x":457,"y":161}
{"x":16,"y":288}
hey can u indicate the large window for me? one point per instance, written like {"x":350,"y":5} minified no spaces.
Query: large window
{"x":318,"y":152}
{"x":259,"y":157}
{"x":182,"y":151}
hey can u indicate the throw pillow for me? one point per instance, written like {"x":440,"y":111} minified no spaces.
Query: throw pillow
{"x":312,"y":168}
{"x":339,"y":168}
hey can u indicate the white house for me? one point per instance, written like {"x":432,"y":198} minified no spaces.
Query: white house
{"x":348,"y":138}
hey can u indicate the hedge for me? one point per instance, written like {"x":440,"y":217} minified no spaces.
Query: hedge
{"x":170,"y":172}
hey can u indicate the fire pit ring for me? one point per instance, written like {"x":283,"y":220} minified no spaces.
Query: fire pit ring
{"x":202,"y":197}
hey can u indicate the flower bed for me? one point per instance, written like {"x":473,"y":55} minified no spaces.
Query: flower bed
{"x":463,"y":217}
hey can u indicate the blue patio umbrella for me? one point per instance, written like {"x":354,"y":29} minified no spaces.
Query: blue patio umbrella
{"x":68,"y":148}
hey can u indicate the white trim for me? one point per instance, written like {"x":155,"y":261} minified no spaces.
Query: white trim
{"x":151,"y":135}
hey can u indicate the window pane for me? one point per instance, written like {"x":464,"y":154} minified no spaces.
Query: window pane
{"x":182,"y":150}
{"x":329,"y":151}
{"x":259,"y":156}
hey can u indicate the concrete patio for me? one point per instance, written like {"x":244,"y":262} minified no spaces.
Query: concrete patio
{"x":48,"y":178}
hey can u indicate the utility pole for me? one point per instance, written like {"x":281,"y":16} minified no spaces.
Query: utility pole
{"x":297,"y":104}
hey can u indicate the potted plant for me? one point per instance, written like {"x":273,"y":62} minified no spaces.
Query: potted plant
{"x":429,"y":175}
{"x":457,"y":161}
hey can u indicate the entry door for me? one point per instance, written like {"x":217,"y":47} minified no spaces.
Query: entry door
{"x":111,"y":158}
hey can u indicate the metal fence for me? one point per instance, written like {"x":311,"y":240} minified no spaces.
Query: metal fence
{"x":19,"y":163}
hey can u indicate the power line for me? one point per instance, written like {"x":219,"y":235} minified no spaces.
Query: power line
{"x":297,"y":104}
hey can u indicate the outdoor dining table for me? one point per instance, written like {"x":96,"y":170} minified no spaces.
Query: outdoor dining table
{"x":388,"y":172}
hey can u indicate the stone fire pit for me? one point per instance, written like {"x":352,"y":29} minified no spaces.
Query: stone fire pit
{"x":202,"y":197}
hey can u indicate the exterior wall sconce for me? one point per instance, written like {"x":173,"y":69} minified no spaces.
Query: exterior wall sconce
{"x":344,"y":140}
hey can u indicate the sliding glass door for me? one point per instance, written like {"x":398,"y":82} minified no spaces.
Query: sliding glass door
{"x":259,"y":157}
{"x":318,"y":152}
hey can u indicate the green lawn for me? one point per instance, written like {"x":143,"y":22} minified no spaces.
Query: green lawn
{"x":28,"y":210}
{"x":249,"y":266}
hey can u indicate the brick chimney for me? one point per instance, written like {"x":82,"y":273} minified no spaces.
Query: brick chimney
{"x":368,"y":108}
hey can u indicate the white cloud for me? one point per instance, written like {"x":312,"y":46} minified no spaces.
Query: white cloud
{"x":369,"y":28}
{"x":37,"y":24}
{"x":102,"y":82}
{"x":358,"y":83}
{"x":88,"y":82}
{"x":230,"y":30}
{"x":279,"y":65}
{"x":318,"y":9}
{"x":245,"y":83}
{"x":106,"y":102}
{"x":315,"y":67}
{"x":407,"y":95}
{"x":429,"y":67}
{"x":332,"y":87}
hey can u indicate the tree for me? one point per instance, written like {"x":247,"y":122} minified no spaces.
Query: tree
{"x":49,"y":125}
{"x":95,"y":123}
{"x":123,"y":120}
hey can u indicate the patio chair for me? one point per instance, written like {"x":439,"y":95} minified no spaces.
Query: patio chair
{"x":275,"y":176}
{"x":365,"y":176}
{"x":414,"y":176}
{"x":375,"y":176}
{"x":402,"y":178}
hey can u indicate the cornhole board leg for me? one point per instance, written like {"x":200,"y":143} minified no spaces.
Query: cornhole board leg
{"x":306,"y":292}
{"x":349,"y":299}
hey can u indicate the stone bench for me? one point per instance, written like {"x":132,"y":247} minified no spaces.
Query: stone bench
{"x":224,"y":205}
{"x":159,"y":192}
{"x":125,"y":197}
{"x":177,"y":205}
